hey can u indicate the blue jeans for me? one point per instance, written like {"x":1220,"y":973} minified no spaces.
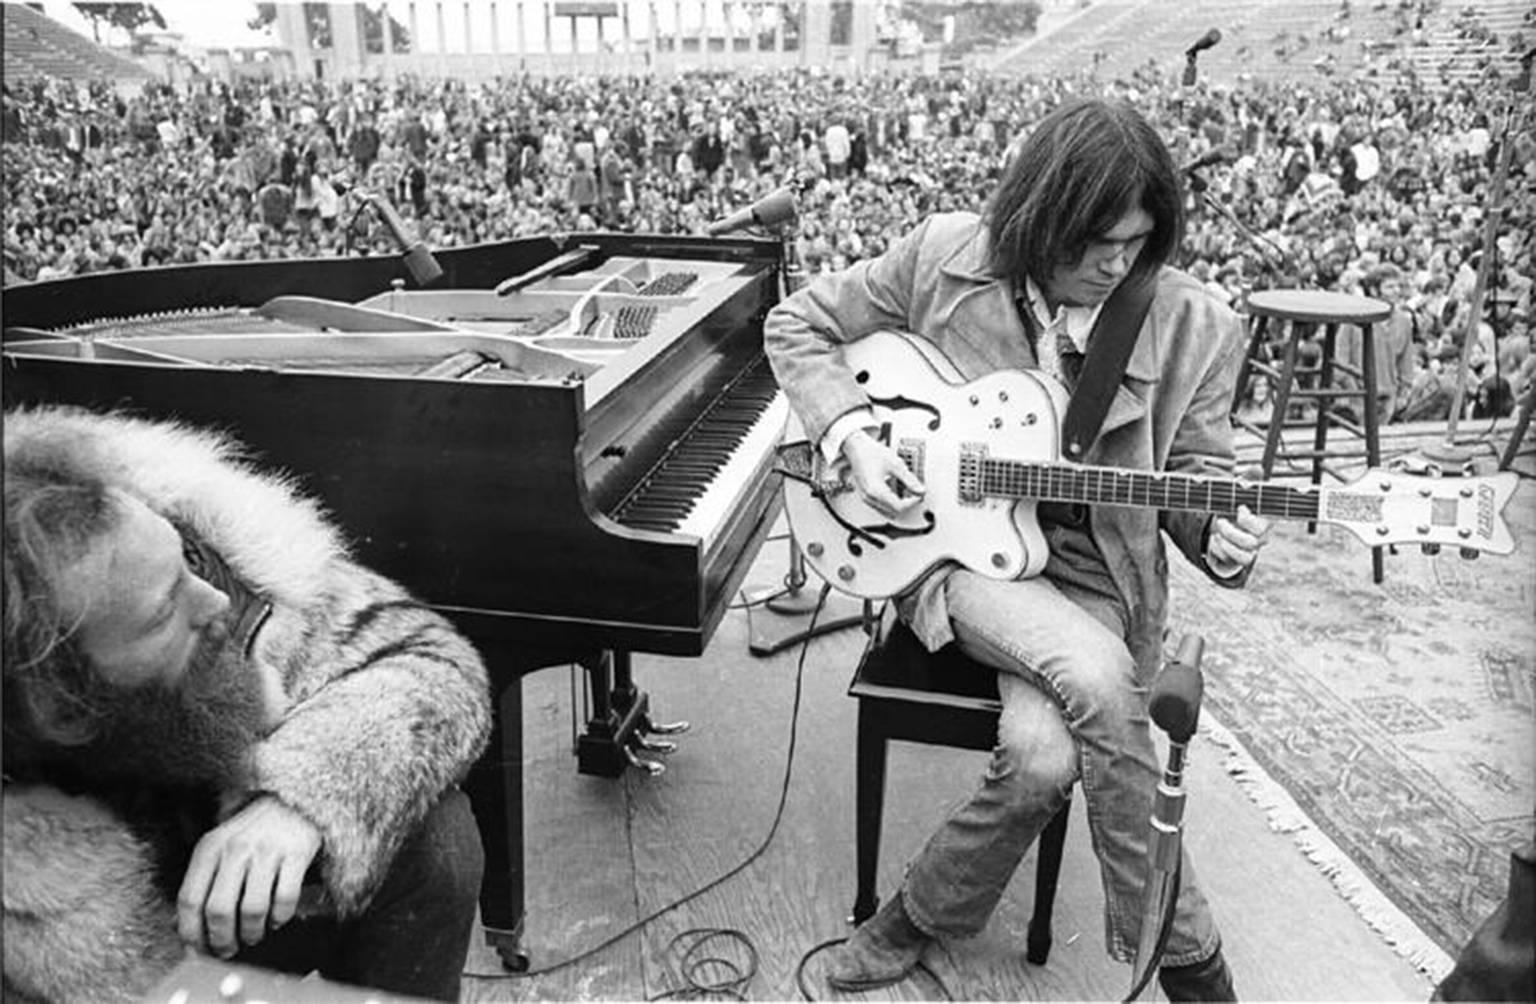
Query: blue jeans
{"x":414,"y":935}
{"x":1073,"y":710}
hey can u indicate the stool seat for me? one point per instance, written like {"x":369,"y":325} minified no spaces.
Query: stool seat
{"x":1317,"y":306}
{"x":1311,"y":369}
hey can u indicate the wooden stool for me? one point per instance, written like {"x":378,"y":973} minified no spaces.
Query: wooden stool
{"x":1298,"y":313}
{"x":943,"y":699}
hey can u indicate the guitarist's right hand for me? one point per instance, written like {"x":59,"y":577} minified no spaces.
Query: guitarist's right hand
{"x":882,"y":478}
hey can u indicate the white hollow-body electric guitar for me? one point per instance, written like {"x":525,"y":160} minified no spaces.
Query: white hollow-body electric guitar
{"x":987,"y":452}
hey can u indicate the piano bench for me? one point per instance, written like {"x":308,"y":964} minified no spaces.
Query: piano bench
{"x":941,"y":699}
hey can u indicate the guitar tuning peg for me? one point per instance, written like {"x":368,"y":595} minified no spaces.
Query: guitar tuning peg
{"x":1470,"y":553}
{"x":1430,"y":548}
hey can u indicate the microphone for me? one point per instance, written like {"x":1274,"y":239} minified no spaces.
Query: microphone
{"x":1207,"y":159}
{"x":778,"y":206}
{"x":1204,"y":42}
{"x":1175,"y":699}
{"x":418,"y":260}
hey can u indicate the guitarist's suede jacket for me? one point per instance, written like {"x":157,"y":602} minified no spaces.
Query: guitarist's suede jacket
{"x":1169,"y":413}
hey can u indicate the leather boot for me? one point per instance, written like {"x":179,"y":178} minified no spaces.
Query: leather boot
{"x":1210,"y":980}
{"x":884,"y":950}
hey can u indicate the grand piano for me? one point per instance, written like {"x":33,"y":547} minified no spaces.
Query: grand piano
{"x":564,"y":443}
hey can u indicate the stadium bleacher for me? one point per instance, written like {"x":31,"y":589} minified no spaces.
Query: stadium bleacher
{"x":36,"y":46}
{"x":1287,"y":39}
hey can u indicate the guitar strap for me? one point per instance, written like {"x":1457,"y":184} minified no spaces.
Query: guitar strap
{"x":1109,"y":347}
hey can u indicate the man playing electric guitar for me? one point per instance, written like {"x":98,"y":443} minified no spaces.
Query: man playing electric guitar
{"x":1090,"y":204}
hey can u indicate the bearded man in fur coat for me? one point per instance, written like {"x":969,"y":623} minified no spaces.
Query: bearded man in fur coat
{"x":222,"y":734}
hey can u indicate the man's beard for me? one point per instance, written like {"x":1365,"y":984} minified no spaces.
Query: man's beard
{"x":198,"y":732}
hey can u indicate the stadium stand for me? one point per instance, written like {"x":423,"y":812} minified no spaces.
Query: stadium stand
{"x":36,"y":46}
{"x":1280,"y":40}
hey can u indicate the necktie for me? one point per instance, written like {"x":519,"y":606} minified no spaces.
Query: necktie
{"x":1070,"y":359}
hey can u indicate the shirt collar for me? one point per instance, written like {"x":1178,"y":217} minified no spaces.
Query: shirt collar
{"x":1079,"y":321}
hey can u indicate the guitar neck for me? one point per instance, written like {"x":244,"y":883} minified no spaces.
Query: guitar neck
{"x":1144,"y":490}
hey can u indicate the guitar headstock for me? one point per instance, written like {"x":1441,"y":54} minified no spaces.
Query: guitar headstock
{"x":1393,"y":507}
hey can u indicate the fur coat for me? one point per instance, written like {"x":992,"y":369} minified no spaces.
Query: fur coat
{"x":372,"y":704}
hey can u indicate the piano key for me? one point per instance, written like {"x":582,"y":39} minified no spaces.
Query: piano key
{"x":693,"y":489}
{"x":735,"y":477}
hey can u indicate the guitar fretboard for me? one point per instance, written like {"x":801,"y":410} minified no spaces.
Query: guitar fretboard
{"x":1111,"y":486}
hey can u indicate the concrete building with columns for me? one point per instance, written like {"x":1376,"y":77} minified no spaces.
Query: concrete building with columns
{"x":481,"y":39}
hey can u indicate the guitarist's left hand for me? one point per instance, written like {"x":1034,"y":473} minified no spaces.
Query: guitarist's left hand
{"x":1234,"y":544}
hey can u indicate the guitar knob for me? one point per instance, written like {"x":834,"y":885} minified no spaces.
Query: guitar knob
{"x":1430,"y":548}
{"x":814,"y":549}
{"x":1470,"y":553}
{"x":999,"y":559}
{"x":845,"y":572}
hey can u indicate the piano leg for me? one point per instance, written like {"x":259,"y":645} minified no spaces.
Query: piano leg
{"x":495,"y":788}
{"x":620,"y":721}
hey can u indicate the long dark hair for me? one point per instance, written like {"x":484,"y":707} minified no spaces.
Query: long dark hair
{"x":51,"y":696}
{"x":1085,"y":166}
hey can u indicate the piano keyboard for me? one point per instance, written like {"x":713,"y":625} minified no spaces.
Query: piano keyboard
{"x":669,"y":284}
{"x":695,"y":485}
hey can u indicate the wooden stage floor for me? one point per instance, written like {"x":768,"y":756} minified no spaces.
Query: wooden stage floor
{"x":602,"y":853}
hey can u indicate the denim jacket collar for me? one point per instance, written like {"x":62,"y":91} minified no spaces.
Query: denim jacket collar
{"x":969,"y":262}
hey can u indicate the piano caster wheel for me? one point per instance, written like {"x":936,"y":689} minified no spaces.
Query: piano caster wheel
{"x":671,"y":729}
{"x":661,"y":746}
{"x":651,"y":767}
{"x":512,"y":960}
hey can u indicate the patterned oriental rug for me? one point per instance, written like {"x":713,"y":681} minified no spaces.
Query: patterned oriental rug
{"x":1389,"y":728}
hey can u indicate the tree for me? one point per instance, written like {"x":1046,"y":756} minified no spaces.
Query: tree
{"x":317,"y":18}
{"x":129,"y":17}
{"x":320,"y":26}
{"x":373,"y":30}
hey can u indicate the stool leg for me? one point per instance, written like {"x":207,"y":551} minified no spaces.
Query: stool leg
{"x":1517,"y":434}
{"x":1282,"y":398}
{"x":1372,"y":428}
{"x":1047,"y":870}
{"x":869,"y":804}
{"x":1245,"y":371}
{"x":1326,"y":381}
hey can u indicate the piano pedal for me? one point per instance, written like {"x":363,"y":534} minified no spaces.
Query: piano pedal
{"x":670,"y":729}
{"x":661,"y":746}
{"x":651,"y":767}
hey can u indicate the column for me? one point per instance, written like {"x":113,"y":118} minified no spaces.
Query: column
{"x":347,"y":47}
{"x":442,"y":38}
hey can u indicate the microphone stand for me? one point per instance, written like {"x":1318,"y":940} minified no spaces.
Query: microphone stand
{"x":778,"y":618}
{"x":1449,"y":456}
{"x":1274,"y":256}
{"x":1175,"y":706}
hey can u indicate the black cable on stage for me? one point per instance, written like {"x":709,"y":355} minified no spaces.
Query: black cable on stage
{"x":773,"y":829}
{"x":694,"y":964}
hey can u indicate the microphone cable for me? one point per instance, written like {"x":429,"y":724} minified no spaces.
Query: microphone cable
{"x":692,"y":965}
{"x":1163,"y":931}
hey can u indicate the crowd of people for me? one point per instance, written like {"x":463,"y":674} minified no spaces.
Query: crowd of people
{"x":1358,"y":185}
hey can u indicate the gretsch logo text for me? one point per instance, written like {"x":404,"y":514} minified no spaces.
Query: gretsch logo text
{"x":1485,"y":511}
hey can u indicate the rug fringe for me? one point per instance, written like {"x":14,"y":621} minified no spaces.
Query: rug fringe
{"x":1285,"y":816}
